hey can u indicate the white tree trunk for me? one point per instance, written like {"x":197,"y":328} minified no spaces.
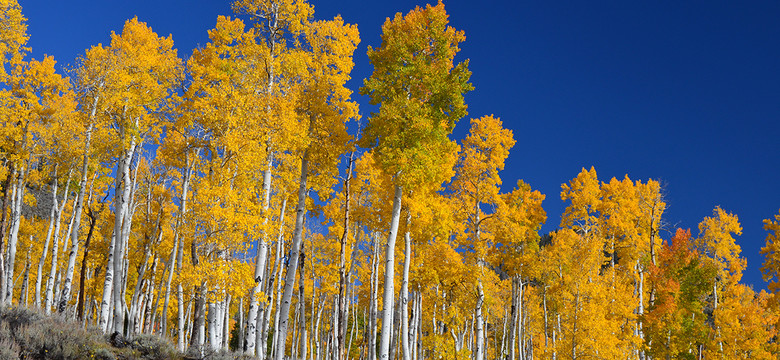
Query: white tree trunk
{"x":260,"y":260}
{"x":226,"y":324}
{"x":374,"y":301}
{"x":240,"y":321}
{"x":263,"y":327}
{"x":479,"y":354}
{"x":405,"y":292}
{"x":166,"y":281}
{"x":387,"y":312}
{"x":108,"y":285}
{"x":138,"y":290}
{"x":49,"y":233}
{"x":302,"y":304}
{"x":50,"y":283}
{"x":292,"y":267}
{"x":213,"y":330}
{"x":122,"y":224}
{"x":13,"y":238}
{"x":74,"y":250}
{"x":181,"y":338}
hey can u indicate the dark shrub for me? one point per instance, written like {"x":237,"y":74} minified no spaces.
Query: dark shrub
{"x":153,"y":347}
{"x":27,"y":334}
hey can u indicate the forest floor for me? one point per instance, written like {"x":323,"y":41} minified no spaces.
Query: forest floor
{"x":29,"y":334}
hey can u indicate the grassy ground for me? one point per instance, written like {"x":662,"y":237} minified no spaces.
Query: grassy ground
{"x":27,"y":334}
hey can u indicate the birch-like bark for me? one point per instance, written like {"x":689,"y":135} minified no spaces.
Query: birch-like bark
{"x":240,"y":320}
{"x":26,"y":277}
{"x":641,"y":308}
{"x":8,"y":195}
{"x":521,"y":312}
{"x":115,"y":247}
{"x":165,"y":281}
{"x":302,"y":303}
{"x":260,"y":260}
{"x":137,"y":292}
{"x":313,"y":319}
{"x":546,"y":326}
{"x":413,"y":326}
{"x":252,"y":320}
{"x":108,"y":286}
{"x":334,"y":336}
{"x":354,"y":326}
{"x":503,"y":352}
{"x":226,"y":324}
{"x":479,"y":354}
{"x":212,"y":326}
{"x":13,"y":236}
{"x":181,"y":338}
{"x":275,"y":278}
{"x":147,"y":318}
{"x":317,"y":341}
{"x":187,"y":322}
{"x":121,"y":262}
{"x":50,"y":283}
{"x":374,"y":299}
{"x":82,"y":276}
{"x":49,"y":233}
{"x":405,"y":291}
{"x":114,"y":275}
{"x":387,"y":312}
{"x":394,"y":343}
{"x":198,"y":335}
{"x":341,"y":323}
{"x":514,"y":317}
{"x":295,"y":246}
{"x":16,"y":218}
{"x":480,"y":332}
{"x":74,"y":235}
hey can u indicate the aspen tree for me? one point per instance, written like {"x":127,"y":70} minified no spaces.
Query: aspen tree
{"x":90,"y":79}
{"x":13,"y":36}
{"x":676,"y":323}
{"x":42,"y":99}
{"x":477,"y":184}
{"x":516,"y":221}
{"x":717,"y":243}
{"x":420,"y":93}
{"x":771,"y":251}
{"x":747,"y":324}
{"x":593,"y":303}
{"x":143,"y":69}
{"x":325,"y":108}
{"x":276,"y":24}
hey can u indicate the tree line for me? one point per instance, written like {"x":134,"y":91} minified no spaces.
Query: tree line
{"x":236,"y":200}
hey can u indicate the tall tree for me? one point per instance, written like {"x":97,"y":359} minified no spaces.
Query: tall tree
{"x":771,"y":251}
{"x":142,"y":68}
{"x":277,"y":25}
{"x":39,"y":100}
{"x":325,"y":106}
{"x":420,"y":93}
{"x":676,"y":322}
{"x":477,"y":185}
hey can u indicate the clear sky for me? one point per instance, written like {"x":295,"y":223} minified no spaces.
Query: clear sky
{"x":683,"y":92}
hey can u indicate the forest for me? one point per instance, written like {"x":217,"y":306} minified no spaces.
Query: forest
{"x":236,"y":199}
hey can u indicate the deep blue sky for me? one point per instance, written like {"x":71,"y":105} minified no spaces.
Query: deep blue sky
{"x":686,"y":93}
